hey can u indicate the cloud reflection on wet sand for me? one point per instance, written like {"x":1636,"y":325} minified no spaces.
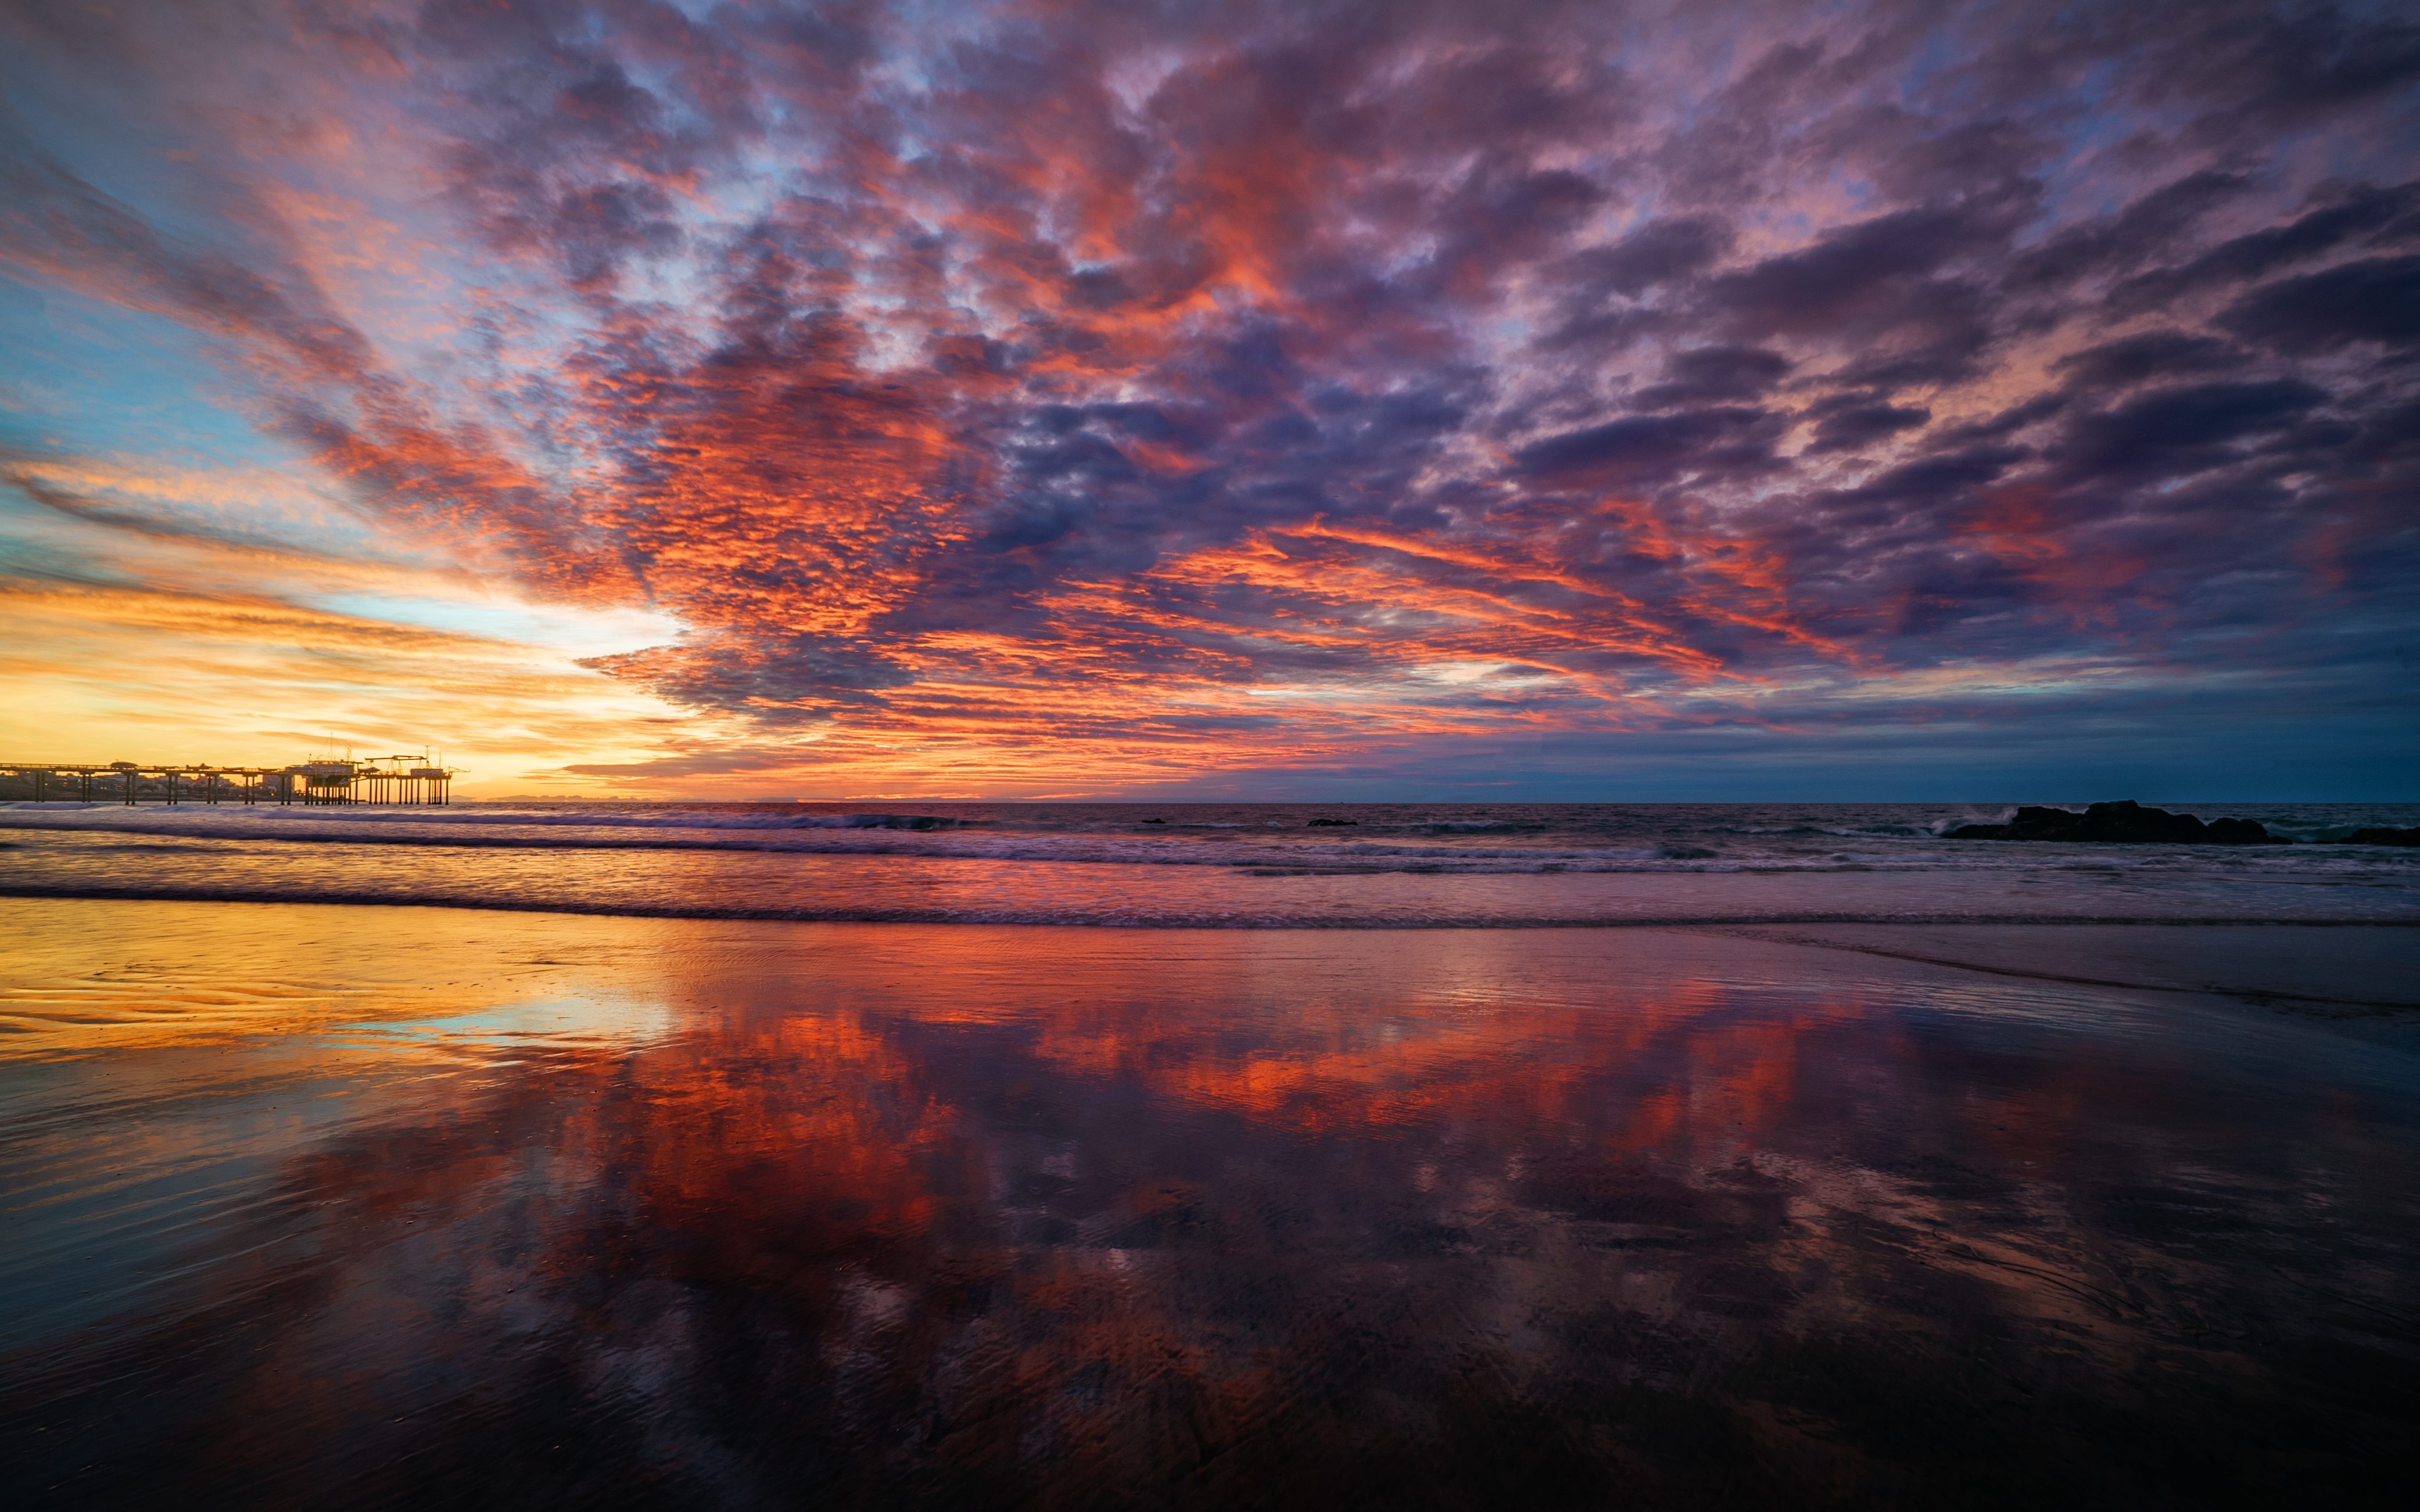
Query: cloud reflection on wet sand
{"x":740,"y":1213}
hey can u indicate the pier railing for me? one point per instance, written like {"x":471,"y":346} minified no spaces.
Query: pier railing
{"x":391,"y":780}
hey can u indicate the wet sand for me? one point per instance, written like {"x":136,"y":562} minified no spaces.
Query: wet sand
{"x":316,"y":1206}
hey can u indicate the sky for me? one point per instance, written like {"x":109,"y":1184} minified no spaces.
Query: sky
{"x":1387,"y":401}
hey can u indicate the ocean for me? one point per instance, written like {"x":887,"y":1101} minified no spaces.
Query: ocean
{"x":1216,"y":865}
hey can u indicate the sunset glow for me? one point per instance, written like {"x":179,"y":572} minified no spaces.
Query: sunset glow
{"x":1031,"y":400}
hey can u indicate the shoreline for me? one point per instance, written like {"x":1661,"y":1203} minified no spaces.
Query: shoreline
{"x":2295,"y":966}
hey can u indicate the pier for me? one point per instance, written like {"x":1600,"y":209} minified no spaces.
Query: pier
{"x":379,"y":780}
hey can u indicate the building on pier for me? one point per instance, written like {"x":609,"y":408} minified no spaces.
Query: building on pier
{"x":408,"y":779}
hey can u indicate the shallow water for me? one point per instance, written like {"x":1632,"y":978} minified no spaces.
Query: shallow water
{"x":318,"y":1206}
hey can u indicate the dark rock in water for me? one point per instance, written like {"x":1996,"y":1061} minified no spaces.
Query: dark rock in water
{"x":1154,"y":821}
{"x":2124,"y":822}
{"x":2383,"y":837}
{"x":1319,"y":823}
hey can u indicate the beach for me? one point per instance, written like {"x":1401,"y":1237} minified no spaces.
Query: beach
{"x":1450,"y":756}
{"x":331,"y":1202}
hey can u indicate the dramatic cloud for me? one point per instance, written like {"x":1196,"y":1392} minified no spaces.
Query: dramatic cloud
{"x":1104,"y":395}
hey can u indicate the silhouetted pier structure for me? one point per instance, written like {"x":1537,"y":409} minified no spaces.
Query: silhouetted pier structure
{"x":382,"y":779}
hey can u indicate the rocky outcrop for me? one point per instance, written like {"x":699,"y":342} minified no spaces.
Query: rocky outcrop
{"x":2383,"y":837}
{"x":2121,"y":823}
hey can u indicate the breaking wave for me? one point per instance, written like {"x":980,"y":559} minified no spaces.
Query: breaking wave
{"x":1147,"y":916}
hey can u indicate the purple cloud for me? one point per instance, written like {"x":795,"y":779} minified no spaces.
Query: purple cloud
{"x":1075,"y":371}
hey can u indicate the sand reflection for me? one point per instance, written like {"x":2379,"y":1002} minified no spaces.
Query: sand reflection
{"x":719,"y":1212}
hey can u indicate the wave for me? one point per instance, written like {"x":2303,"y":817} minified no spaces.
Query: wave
{"x":1139,"y":916}
{"x":1285,"y":852}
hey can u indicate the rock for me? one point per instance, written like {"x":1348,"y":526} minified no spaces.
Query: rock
{"x":2124,"y":822}
{"x":1318,"y":824}
{"x":2383,"y":837}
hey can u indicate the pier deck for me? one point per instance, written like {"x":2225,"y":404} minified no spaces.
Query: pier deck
{"x":385,"y":780}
